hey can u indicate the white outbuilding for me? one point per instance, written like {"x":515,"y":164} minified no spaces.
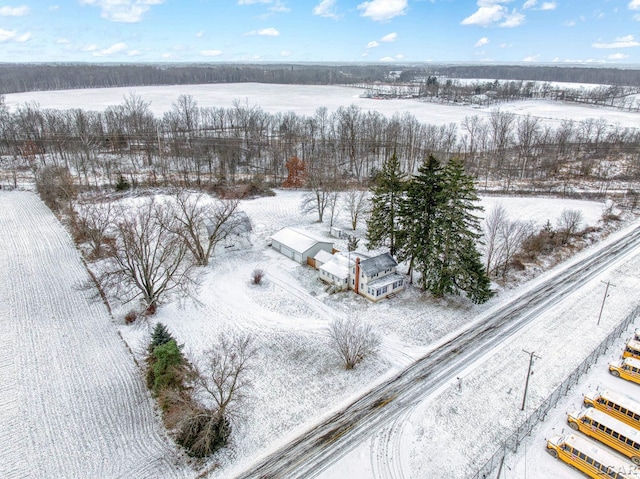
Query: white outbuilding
{"x":299,"y":245}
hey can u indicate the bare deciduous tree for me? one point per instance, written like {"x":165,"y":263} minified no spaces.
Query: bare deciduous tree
{"x":223,"y":376}
{"x":202,"y":224}
{"x":149,"y":261}
{"x":92,"y":222}
{"x":492,"y":225}
{"x":353,"y":340}
{"x":568,"y":224}
{"x":356,"y":205}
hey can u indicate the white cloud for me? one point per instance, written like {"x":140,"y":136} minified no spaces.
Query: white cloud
{"x":326,"y":8}
{"x":123,"y":11}
{"x":7,"y":36}
{"x":252,"y":2}
{"x":279,"y":7}
{"x":621,"y":42}
{"x":532,"y":58}
{"x":285,"y":53}
{"x":211,"y":53}
{"x":200,"y":34}
{"x":634,"y":5}
{"x":265,"y":32}
{"x":399,"y":56}
{"x":636,"y":18}
{"x":529,"y":4}
{"x":63,"y":41}
{"x":485,"y":16}
{"x":166,"y":55}
{"x":491,"y":12}
{"x":512,"y":20}
{"x":383,"y":10}
{"x":54,"y":8}
{"x":386,"y":59}
{"x":617,"y":56}
{"x":112,"y":50}
{"x":90,"y":48}
{"x":548,"y":6}
{"x":482,"y":42}
{"x":570,"y":23}
{"x":391,"y":37}
{"x":20,"y":11}
{"x":134,"y":53}
{"x":373,"y":44}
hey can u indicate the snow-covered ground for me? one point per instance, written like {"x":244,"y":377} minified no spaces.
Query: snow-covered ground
{"x":297,"y":379}
{"x":306,"y":99}
{"x":72,"y":401}
{"x":453,"y":433}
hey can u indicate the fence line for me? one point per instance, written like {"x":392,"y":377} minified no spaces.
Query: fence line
{"x":513,"y":441}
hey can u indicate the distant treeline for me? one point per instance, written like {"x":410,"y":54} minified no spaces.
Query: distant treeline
{"x":16,"y":78}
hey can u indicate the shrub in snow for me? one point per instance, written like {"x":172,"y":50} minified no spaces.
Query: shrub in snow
{"x":130,"y":317}
{"x":167,"y":368}
{"x":353,"y":341}
{"x":257,"y":276}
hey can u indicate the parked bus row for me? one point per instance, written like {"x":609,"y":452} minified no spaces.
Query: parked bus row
{"x":612,"y":419}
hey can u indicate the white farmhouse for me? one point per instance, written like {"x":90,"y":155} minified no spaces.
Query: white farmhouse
{"x":376,"y":278}
{"x":298,"y":245}
{"x":335,"y":270}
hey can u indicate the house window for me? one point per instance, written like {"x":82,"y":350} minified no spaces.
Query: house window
{"x":384,"y":289}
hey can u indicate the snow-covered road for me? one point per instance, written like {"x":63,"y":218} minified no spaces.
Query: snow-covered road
{"x":72,"y":404}
{"x":320,"y":447}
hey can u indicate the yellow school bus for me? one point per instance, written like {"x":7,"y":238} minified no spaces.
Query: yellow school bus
{"x":588,"y":457}
{"x":615,"y":404}
{"x":632,"y":349}
{"x":628,"y":369}
{"x":608,"y":430}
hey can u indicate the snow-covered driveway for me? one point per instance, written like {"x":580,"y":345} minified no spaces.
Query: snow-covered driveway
{"x":71,"y":401}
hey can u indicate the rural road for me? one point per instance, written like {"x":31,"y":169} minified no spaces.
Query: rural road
{"x":318,"y":448}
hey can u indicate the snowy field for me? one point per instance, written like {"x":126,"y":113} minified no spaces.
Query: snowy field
{"x":67,"y":337}
{"x":306,"y":99}
{"x":73,"y":404}
{"x":455,"y":431}
{"x":297,"y":379}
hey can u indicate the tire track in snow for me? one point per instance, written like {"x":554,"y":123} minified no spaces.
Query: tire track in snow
{"x":73,"y":400}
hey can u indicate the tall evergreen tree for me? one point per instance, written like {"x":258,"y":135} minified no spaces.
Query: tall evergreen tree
{"x":388,"y":190}
{"x":418,"y":212}
{"x":461,"y":261}
{"x":439,"y":231}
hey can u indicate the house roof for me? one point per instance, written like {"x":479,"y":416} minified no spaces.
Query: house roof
{"x":373,"y":266}
{"x":297,"y":240}
{"x":338,"y":266}
{"x":323,"y":256}
{"x":385,"y":280}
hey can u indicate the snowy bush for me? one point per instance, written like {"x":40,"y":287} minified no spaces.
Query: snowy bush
{"x":353,"y":341}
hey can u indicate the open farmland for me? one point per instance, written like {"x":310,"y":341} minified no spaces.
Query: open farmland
{"x":73,"y":401}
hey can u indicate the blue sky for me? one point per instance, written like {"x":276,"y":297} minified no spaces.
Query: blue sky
{"x":372,"y":31}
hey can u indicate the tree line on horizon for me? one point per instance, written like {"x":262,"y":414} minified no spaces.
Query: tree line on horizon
{"x":22,"y":77}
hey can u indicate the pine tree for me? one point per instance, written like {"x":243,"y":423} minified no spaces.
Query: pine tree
{"x":460,"y":231}
{"x":160,"y":336}
{"x":439,"y":231}
{"x":388,"y":192}
{"x":417,"y":234}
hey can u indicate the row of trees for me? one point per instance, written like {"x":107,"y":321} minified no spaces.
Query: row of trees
{"x":152,"y":250}
{"x":428,"y":221}
{"x":199,"y":398}
{"x":190,"y":145}
{"x":23,"y":77}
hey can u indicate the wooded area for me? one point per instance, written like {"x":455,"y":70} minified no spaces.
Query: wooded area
{"x":228,"y":147}
{"x":16,"y":78}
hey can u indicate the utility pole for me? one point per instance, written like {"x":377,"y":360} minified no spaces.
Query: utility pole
{"x":606,"y":290}
{"x":526,"y":384}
